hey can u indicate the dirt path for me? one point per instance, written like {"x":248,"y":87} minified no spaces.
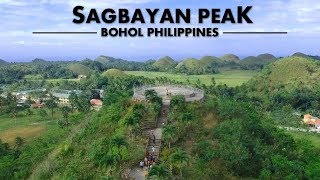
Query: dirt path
{"x":46,"y":162}
{"x":138,"y":173}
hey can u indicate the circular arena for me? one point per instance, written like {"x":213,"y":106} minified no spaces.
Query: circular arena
{"x":167,"y":91}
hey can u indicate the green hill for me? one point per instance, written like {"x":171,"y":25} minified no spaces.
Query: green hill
{"x":299,"y":54}
{"x":258,"y":62}
{"x":114,"y":73}
{"x":230,"y":58}
{"x":104,"y":59}
{"x":190,"y":63}
{"x":209,"y":60}
{"x":250,"y":59}
{"x":80,"y":69}
{"x":191,"y":66}
{"x":164,"y":63}
{"x":3,"y":62}
{"x":39,"y":61}
{"x":288,"y":73}
{"x":266,"y":57}
{"x":291,"y":82}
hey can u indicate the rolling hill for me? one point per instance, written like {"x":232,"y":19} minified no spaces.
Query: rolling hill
{"x":258,"y":62}
{"x":299,"y":54}
{"x":80,"y":69}
{"x":114,"y":73}
{"x":266,"y":57}
{"x":104,"y":59}
{"x":3,"y":62}
{"x":190,"y":64}
{"x":287,"y":73}
{"x":164,"y":63}
{"x":211,"y":60}
{"x":250,"y":59}
{"x":230,"y":58}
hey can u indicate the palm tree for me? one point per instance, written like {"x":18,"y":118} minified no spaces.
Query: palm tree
{"x":188,"y":118}
{"x":119,"y":141}
{"x":159,"y":172}
{"x":133,"y":123}
{"x":180,"y":159}
{"x":73,"y":99}
{"x":169,"y":134}
{"x":52,"y":103}
{"x":65,"y":111}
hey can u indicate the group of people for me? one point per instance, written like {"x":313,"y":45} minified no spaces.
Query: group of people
{"x":149,"y":161}
{"x":150,"y":157}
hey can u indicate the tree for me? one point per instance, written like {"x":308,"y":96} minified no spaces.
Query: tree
{"x":83,"y":103}
{"x":119,"y":141}
{"x":177,"y":102}
{"x":159,"y":172}
{"x":43,"y":113}
{"x":180,"y":159}
{"x":29,"y":101}
{"x":4,"y":148}
{"x":17,"y":147}
{"x":52,"y":103}
{"x":65,"y":111}
{"x":11,"y":106}
{"x":152,"y":96}
{"x":213,"y":82}
{"x":73,"y":99}
{"x":29,"y":112}
{"x":170,"y":134}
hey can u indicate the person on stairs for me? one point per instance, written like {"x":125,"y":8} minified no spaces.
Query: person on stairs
{"x":141,"y":164}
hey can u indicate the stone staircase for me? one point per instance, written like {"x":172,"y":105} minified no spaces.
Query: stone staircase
{"x":156,"y":146}
{"x":147,"y":127}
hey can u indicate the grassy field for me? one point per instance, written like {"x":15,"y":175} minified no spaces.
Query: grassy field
{"x":230,"y":78}
{"x":313,"y":138}
{"x":39,"y":78}
{"x":27,"y":127}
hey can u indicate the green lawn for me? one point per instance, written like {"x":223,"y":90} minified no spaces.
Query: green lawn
{"x":27,"y":127}
{"x":7,"y":122}
{"x":312,"y":137}
{"x":230,"y":78}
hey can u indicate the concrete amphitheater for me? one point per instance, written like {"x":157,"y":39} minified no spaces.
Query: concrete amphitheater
{"x":166,"y":92}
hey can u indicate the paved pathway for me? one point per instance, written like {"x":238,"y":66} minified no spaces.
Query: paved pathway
{"x":138,"y":173}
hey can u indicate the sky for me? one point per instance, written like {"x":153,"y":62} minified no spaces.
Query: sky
{"x":19,"y":18}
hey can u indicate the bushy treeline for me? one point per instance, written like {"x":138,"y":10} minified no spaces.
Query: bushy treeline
{"x":47,"y":70}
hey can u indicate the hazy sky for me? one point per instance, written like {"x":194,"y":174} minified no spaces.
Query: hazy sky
{"x":19,"y":18}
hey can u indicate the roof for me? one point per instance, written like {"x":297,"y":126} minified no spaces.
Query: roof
{"x":308,"y":116}
{"x":61,"y":95}
{"x":65,"y":93}
{"x":316,"y":122}
{"x":96,"y":102}
{"x":311,"y":120}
